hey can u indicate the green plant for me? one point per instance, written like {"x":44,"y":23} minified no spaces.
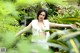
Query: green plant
{"x":67,"y":39}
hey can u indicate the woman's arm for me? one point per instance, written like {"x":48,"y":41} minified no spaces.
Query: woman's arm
{"x":24,"y":30}
{"x":62,"y":25}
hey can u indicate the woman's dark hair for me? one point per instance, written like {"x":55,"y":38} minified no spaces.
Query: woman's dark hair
{"x":42,"y":10}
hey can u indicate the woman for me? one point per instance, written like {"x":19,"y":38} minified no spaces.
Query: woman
{"x":39,"y":26}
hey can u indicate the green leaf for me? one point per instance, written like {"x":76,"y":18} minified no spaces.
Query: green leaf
{"x":68,"y":36}
{"x":57,"y":46}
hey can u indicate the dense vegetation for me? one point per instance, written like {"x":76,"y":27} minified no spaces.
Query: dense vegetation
{"x":16,"y":14}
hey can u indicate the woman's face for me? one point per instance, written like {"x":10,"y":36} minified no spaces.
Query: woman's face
{"x":41,"y":16}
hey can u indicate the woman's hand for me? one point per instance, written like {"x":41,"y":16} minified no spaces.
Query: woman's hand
{"x":73,"y":26}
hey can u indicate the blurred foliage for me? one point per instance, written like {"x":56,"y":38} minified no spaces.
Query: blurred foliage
{"x":68,"y":39}
{"x":14,"y":13}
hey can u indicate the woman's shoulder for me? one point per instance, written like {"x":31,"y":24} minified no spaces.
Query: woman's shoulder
{"x":46,"y":20}
{"x":34,"y":20}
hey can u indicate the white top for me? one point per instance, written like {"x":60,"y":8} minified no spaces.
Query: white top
{"x":36,"y":30}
